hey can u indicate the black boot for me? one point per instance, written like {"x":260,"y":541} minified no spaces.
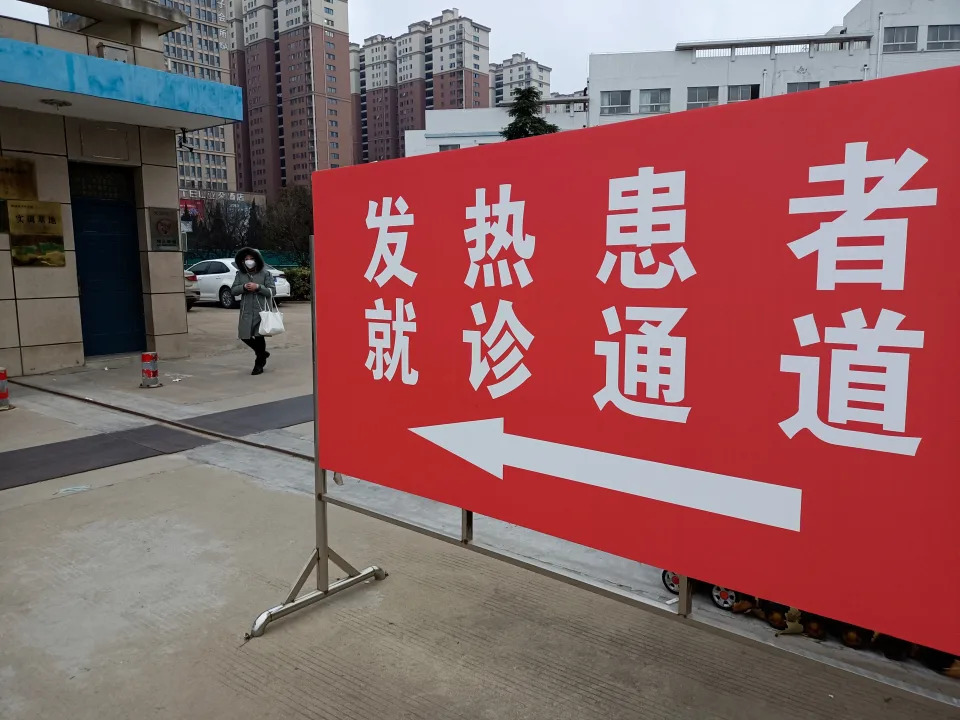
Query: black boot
{"x":263,"y":359}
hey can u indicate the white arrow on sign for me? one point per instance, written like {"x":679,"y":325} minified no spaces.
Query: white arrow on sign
{"x":485,"y":444}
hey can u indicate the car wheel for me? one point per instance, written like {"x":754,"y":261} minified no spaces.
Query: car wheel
{"x":226,"y":298}
{"x":190,"y":304}
{"x":723,"y":598}
{"x":671,"y":581}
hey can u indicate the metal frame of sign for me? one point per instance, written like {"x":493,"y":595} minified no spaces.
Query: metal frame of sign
{"x":322,"y":553}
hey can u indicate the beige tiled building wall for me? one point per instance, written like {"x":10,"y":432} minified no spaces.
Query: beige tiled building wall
{"x":40,"y":327}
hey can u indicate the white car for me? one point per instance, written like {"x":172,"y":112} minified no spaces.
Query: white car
{"x":190,"y":289}
{"x":215,"y":279}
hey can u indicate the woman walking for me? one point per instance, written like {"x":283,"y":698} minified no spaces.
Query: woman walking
{"x":257,"y":287}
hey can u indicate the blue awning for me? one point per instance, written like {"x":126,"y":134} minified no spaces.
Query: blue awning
{"x":94,"y":88}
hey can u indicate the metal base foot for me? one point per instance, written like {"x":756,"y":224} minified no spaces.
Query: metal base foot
{"x":292,"y":605}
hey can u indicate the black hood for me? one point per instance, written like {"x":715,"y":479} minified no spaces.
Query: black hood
{"x":256,"y":256}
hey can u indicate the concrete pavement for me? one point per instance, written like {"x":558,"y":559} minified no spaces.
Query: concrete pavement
{"x":130,"y":598}
{"x":125,"y":592}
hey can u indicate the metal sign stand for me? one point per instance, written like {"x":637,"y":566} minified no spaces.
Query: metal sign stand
{"x":322,"y":552}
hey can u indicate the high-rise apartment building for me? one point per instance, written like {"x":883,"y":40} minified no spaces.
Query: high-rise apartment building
{"x":515,"y":73}
{"x":205,"y":158}
{"x":292,"y":58}
{"x":435,"y":65}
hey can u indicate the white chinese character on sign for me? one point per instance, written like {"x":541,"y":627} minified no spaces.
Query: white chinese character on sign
{"x":505,"y":340}
{"x":652,"y":357}
{"x":390,"y":245}
{"x":639,"y":218}
{"x":886,"y":260}
{"x":507,"y":232}
{"x":866,"y":385}
{"x":389,"y":344}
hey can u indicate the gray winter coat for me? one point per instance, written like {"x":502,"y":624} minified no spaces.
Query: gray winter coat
{"x":252,"y":303}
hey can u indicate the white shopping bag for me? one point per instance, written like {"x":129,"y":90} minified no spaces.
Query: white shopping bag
{"x":271,"y":320}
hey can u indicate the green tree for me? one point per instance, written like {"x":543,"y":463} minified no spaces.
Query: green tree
{"x":289,"y":224}
{"x":222,"y":230}
{"x":256,"y":229}
{"x":525,"y":111}
{"x":210,"y":233}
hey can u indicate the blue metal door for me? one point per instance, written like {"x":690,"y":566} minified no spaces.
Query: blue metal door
{"x":108,"y":259}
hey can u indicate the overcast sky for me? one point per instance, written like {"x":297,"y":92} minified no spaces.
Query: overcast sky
{"x":562,"y":33}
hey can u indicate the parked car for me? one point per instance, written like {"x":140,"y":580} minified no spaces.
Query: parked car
{"x":215,"y":279}
{"x":723,"y":598}
{"x":191,"y":289}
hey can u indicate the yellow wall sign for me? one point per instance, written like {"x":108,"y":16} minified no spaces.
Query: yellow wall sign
{"x":18,"y":179}
{"x":36,"y":233}
{"x":32,"y":217}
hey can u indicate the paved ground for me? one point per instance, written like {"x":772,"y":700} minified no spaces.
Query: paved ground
{"x":125,"y":592}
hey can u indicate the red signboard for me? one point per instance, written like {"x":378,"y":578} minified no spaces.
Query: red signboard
{"x":192,"y":208}
{"x":723,"y":342}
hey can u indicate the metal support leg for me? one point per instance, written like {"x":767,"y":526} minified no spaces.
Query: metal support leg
{"x":323,"y":548}
{"x":466,"y":526}
{"x":685,"y":601}
{"x":275,"y":613}
{"x":322,"y":554}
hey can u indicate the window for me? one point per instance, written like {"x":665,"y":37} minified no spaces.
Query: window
{"x":328,"y":11}
{"x":445,"y":148}
{"x":801,"y":86}
{"x":900,"y":39}
{"x":654,"y":101}
{"x":701,"y":97}
{"x":334,"y":134}
{"x":334,"y":123}
{"x":739,"y":93}
{"x":330,"y":44}
{"x":615,"y":102}
{"x":331,"y":67}
{"x":834,"y":83}
{"x":334,"y":156}
{"x":335,"y":145}
{"x":331,"y":56}
{"x":943,"y":37}
{"x":328,"y":33}
{"x":331,"y":78}
{"x":331,"y":89}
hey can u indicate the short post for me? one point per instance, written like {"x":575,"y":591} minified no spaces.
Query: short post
{"x":685,"y":604}
{"x":4,"y":391}
{"x":149,"y":374}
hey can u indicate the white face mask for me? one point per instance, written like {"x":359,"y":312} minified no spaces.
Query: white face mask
{"x":251,"y":264}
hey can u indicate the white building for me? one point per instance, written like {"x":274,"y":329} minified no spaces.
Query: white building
{"x":566,"y":103}
{"x":515,"y":73}
{"x":878,"y":38}
{"x":456,"y":129}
